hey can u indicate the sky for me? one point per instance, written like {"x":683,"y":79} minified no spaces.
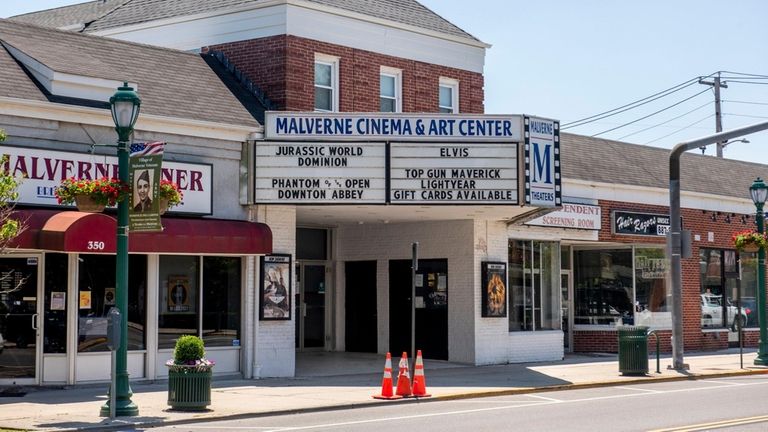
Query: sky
{"x":570,"y":60}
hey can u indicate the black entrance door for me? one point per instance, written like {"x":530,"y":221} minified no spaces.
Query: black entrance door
{"x":18,"y":317}
{"x":360,"y":306}
{"x":431,"y":308}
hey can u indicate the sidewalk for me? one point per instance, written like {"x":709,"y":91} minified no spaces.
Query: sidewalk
{"x":78,"y":408}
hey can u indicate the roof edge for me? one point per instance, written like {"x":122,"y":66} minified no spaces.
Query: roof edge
{"x":297,"y":3}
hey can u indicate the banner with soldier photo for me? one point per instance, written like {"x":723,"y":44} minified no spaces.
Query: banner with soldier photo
{"x":144,"y":170}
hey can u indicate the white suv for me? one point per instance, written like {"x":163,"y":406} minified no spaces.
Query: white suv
{"x":712,"y":312}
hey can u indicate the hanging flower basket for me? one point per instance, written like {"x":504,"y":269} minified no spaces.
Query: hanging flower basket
{"x":169,"y":195}
{"x":87,"y":204}
{"x":163,"y":205}
{"x":749,"y":241}
{"x":91,"y":195}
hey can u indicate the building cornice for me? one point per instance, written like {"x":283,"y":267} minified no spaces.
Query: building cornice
{"x":147,"y":122}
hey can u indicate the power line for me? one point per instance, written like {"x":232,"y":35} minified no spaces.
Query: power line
{"x":681,"y":129}
{"x":745,"y":74}
{"x":747,"y":82}
{"x":653,"y":113}
{"x":631,"y":105}
{"x":743,"y":77}
{"x":663,"y":123}
{"x":746,"y":102}
{"x":745,"y":115}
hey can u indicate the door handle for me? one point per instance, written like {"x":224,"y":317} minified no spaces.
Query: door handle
{"x":34,"y":321}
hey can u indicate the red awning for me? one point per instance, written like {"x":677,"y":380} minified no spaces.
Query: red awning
{"x":72,"y":231}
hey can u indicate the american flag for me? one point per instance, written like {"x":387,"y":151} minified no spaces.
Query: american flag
{"x":147,"y":149}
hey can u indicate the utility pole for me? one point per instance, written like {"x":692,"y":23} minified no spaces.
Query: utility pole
{"x":718,"y":113}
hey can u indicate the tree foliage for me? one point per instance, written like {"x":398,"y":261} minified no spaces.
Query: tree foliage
{"x":10,"y":226}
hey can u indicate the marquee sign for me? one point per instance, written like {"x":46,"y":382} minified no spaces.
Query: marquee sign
{"x":392,"y":126}
{"x":542,"y":162}
{"x":450,"y":173}
{"x":320,"y":172}
{"x":407,"y":158}
{"x":45,"y":169}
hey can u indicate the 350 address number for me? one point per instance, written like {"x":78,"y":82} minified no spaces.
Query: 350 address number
{"x":95,"y":245}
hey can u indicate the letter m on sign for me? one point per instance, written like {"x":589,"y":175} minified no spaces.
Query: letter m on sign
{"x":542,"y":169}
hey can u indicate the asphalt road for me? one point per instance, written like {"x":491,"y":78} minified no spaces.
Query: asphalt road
{"x":728,"y":404}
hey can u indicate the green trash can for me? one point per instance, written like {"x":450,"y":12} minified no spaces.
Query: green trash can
{"x":633,"y":350}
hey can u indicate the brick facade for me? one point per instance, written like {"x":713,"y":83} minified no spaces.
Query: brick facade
{"x":700,"y":223}
{"x":283,"y":67}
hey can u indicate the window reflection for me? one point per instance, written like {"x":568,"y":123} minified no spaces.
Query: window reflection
{"x":97,"y":295}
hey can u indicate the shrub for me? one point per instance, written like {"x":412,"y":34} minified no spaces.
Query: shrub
{"x":188,"y":349}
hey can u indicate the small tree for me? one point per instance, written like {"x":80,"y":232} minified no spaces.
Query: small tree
{"x":10,"y":227}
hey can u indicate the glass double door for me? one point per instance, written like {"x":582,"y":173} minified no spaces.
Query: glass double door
{"x":19,"y":333}
{"x":565,"y":305}
{"x":310,"y":305}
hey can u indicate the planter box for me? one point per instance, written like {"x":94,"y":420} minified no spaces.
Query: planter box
{"x":189,"y":390}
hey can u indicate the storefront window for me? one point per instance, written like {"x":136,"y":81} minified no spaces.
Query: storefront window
{"x":534,"y":282}
{"x":720,"y":288}
{"x":55,"y":324}
{"x":178,"y":298}
{"x":96,"y":296}
{"x":221,"y":301}
{"x":652,"y":300}
{"x":748,"y":286}
{"x":182,"y":300}
{"x":603,"y":286}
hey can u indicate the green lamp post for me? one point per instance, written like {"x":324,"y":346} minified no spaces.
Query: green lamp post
{"x":125,"y":104}
{"x":759,"y":193}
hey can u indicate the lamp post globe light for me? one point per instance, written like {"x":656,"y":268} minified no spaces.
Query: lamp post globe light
{"x":759,"y":192}
{"x":124,"y":104}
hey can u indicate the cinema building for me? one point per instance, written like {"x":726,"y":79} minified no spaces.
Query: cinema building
{"x":323,"y":157}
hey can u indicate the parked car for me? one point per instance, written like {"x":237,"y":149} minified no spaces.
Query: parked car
{"x":712,"y":312}
{"x":749,"y":307}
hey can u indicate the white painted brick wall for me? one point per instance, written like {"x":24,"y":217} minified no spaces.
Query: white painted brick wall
{"x":490,"y":244}
{"x":535,"y":346}
{"x":494,"y":342}
{"x":451,"y":240}
{"x":275,"y":354}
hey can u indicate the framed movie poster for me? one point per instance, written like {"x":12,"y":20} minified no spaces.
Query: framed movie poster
{"x":494,"y":289}
{"x":275,"y":287}
{"x":179,"y":296}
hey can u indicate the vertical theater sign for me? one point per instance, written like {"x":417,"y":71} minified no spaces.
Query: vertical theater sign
{"x":406,"y":159}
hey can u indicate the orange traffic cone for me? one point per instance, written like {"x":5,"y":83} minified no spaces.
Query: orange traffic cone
{"x":403,"y":377}
{"x":386,"y":383}
{"x":419,"y":381}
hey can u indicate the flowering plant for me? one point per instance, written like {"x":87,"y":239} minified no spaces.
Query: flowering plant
{"x":104,"y":191}
{"x":199,"y":365}
{"x":189,"y":356}
{"x":170,"y":191}
{"x":745,"y":239}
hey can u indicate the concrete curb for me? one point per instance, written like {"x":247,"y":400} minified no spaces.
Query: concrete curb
{"x":457,"y":396}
